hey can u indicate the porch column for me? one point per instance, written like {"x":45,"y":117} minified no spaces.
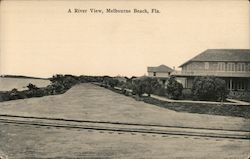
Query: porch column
{"x":230,"y":84}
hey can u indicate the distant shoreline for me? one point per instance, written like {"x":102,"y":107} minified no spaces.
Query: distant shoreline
{"x":21,"y":76}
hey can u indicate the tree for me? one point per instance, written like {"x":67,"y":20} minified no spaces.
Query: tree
{"x":221,"y":89}
{"x":57,"y":87}
{"x":113,"y":82}
{"x":32,"y":86}
{"x":57,"y":78}
{"x":209,"y":88}
{"x":110,"y":81}
{"x":145,"y":85}
{"x":137,"y":87}
{"x":34,"y":91}
{"x":61,"y":83}
{"x":174,"y":88}
{"x":161,"y":91}
{"x":151,"y":84}
{"x":31,"y":92}
{"x":13,"y":94}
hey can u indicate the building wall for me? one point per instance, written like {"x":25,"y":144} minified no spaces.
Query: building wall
{"x":158,"y":74}
{"x":238,"y":86}
{"x":182,"y":80}
{"x":233,"y":84}
{"x":217,"y":66}
{"x":187,"y":82}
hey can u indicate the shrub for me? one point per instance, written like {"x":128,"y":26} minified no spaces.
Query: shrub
{"x":61,"y":83}
{"x":161,"y":91}
{"x":4,"y":96}
{"x":13,"y":94}
{"x":128,"y":85}
{"x":32,"y":86}
{"x":40,"y":92}
{"x":113,"y":82}
{"x":58,"y":87}
{"x":137,"y":87}
{"x":174,"y":88}
{"x":221,"y":89}
{"x":110,"y":81}
{"x":151,"y":84}
{"x":145,"y":85}
{"x":209,"y":88}
{"x":187,"y":94}
{"x":32,"y":89}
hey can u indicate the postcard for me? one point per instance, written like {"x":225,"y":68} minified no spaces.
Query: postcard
{"x":124,"y":79}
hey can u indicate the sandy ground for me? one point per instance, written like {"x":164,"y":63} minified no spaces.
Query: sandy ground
{"x":90,"y":102}
{"x":19,"y":141}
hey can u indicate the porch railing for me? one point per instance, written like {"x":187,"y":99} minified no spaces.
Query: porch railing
{"x":211,"y":73}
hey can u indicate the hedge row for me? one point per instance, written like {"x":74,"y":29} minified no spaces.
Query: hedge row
{"x":211,"y":109}
{"x":59,"y":84}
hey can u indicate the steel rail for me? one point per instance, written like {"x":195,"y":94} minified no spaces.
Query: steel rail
{"x":117,"y":123}
{"x":122,"y":128}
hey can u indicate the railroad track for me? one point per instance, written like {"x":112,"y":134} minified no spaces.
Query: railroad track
{"x":124,"y":127}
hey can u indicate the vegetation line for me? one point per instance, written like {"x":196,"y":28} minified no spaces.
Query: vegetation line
{"x":202,"y":108}
{"x":61,"y":83}
{"x":21,"y":76}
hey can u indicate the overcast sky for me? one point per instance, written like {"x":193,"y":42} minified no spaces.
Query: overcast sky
{"x":40,"y":38}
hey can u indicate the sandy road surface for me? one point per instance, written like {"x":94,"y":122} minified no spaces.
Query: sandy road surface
{"x":92,"y":103}
{"x":33,"y":142}
{"x":125,"y":127}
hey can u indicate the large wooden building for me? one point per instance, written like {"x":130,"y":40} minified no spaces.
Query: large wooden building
{"x":232,"y":65}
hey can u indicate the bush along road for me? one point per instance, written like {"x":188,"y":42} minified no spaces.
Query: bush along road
{"x":203,"y":108}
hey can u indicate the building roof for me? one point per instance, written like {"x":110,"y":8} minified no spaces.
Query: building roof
{"x":223,"y":55}
{"x":161,"y":68}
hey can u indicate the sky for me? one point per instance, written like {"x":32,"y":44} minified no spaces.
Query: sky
{"x":40,"y":38}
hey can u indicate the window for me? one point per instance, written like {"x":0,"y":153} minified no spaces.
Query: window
{"x":206,"y":65}
{"x":243,"y":67}
{"x":241,"y":85}
{"x":233,"y":85}
{"x":163,"y":81}
{"x":229,"y":84}
{"x":233,"y":66}
{"x":230,"y":67}
{"x":240,"y":67}
{"x":221,"y":66}
{"x":154,"y":73}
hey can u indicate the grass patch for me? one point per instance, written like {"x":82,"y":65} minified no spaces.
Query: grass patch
{"x":211,"y":109}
